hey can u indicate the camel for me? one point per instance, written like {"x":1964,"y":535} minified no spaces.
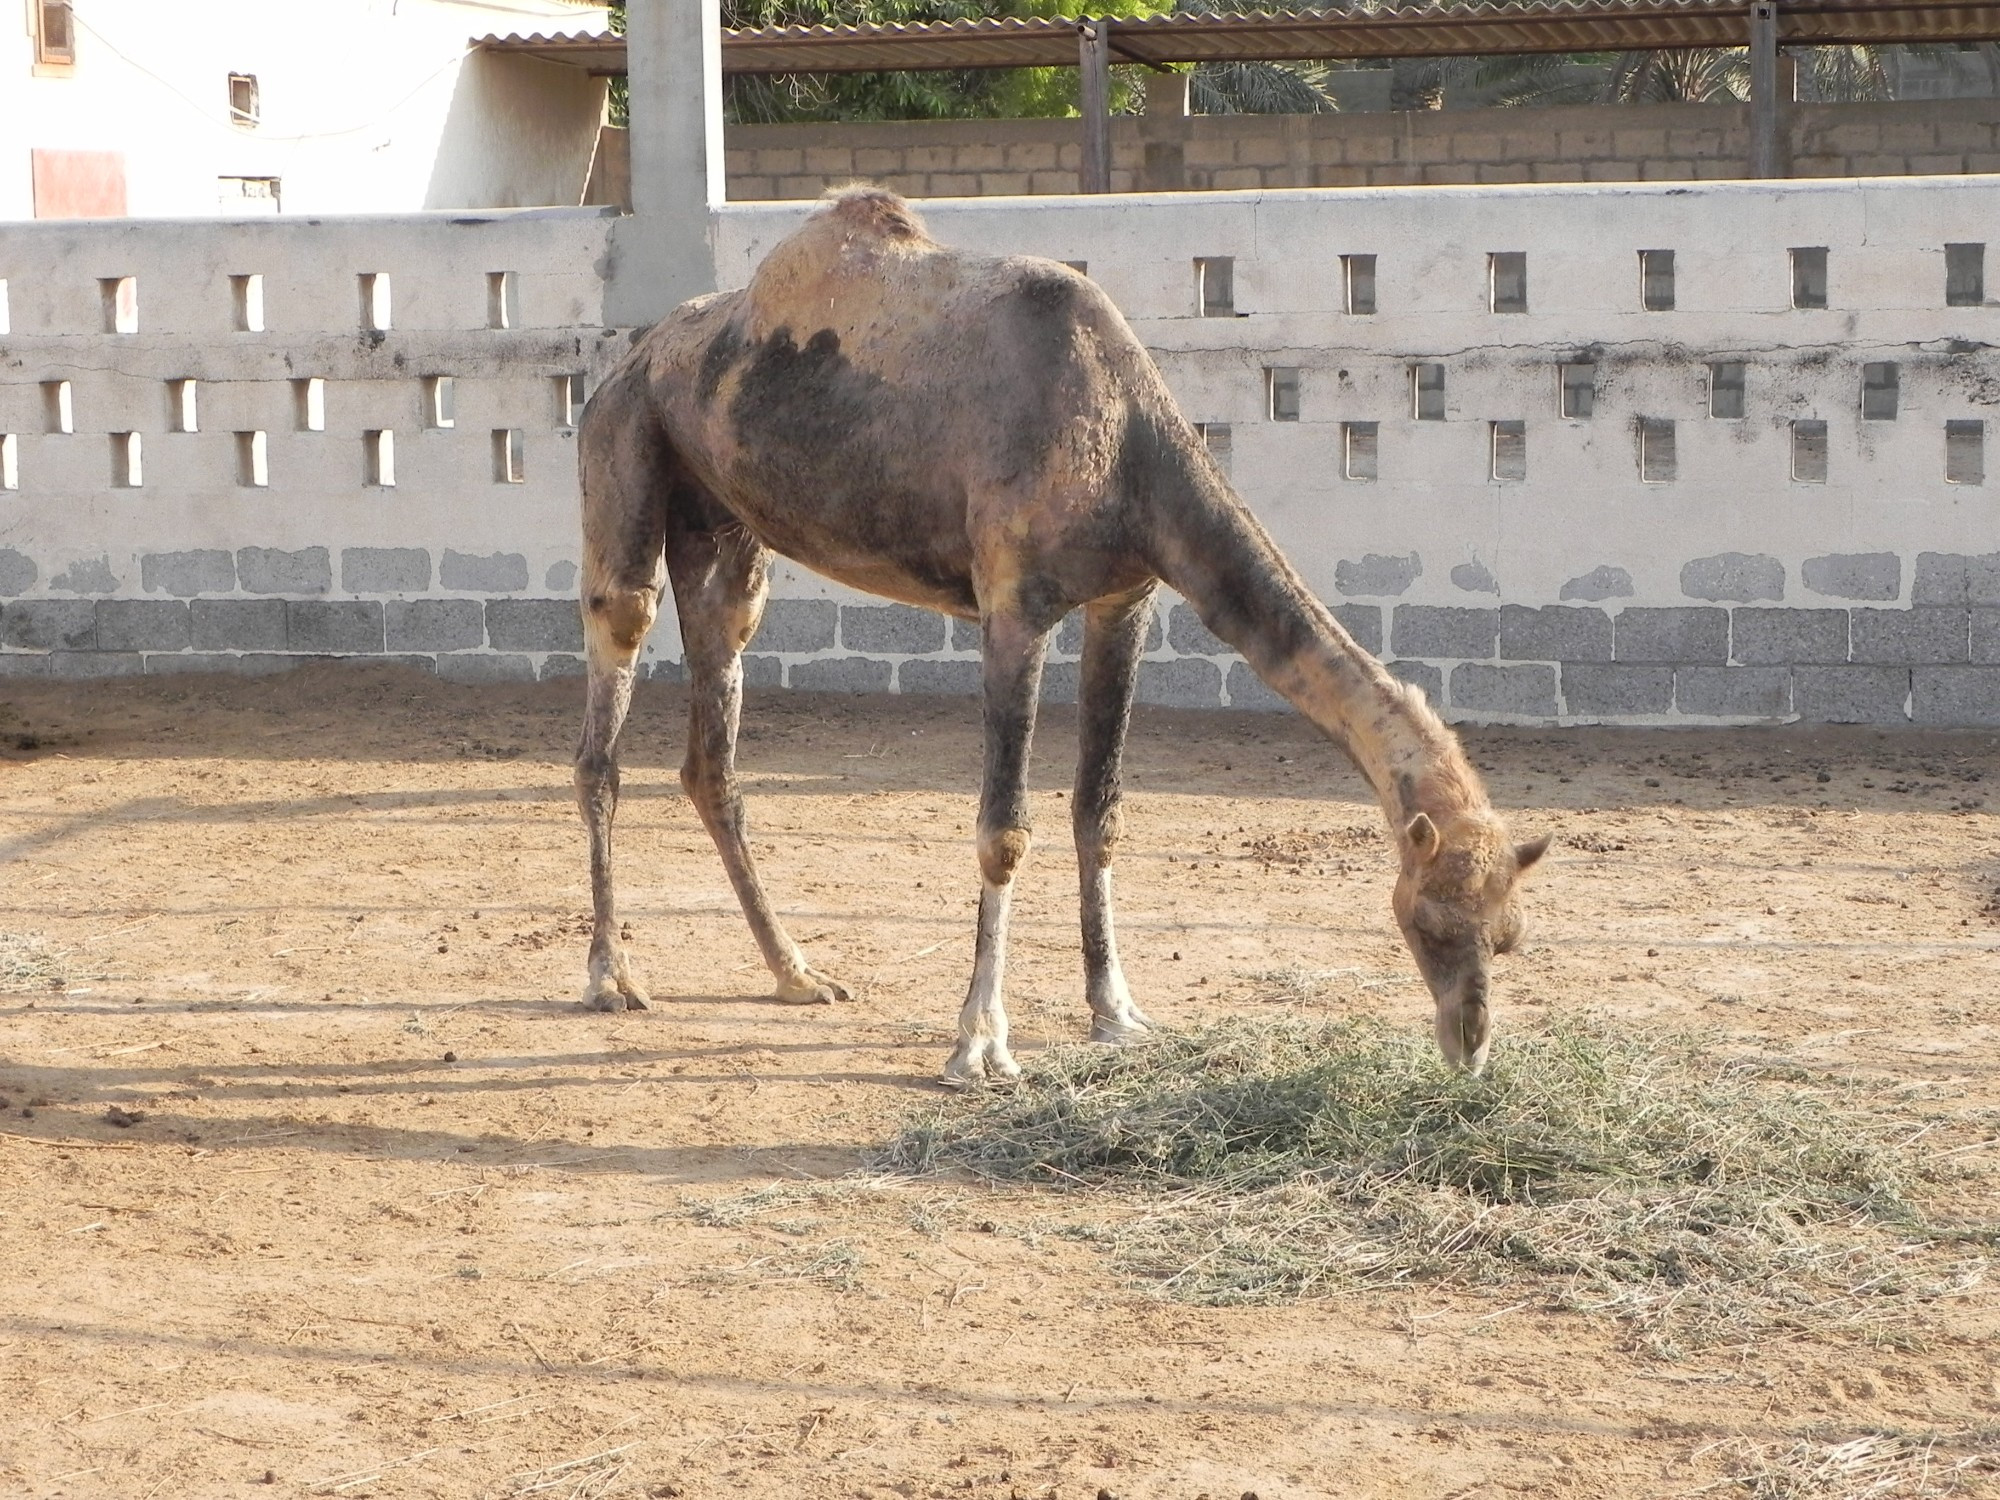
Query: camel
{"x":985,"y":437}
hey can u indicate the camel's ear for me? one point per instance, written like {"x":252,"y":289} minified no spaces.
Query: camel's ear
{"x":1528,"y":853}
{"x":1423,"y":836}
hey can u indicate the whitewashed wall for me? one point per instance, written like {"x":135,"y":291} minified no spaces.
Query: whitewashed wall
{"x":1578,"y":593}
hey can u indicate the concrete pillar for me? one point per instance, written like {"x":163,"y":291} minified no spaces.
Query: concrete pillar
{"x":664,"y":253}
{"x":1167,"y":95}
{"x":1764,"y":89}
{"x":1093,"y":39}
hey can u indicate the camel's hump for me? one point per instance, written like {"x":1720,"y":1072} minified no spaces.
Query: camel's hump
{"x":863,"y":208}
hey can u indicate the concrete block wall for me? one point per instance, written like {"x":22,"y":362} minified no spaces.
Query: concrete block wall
{"x":1580,"y":591}
{"x":1640,"y":143}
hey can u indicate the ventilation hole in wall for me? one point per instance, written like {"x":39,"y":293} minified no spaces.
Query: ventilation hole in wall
{"x":376,"y":309}
{"x":58,"y":406}
{"x":1809,"y":276}
{"x":1427,"y":392}
{"x":569,"y":400}
{"x":1507,"y":281}
{"x":6,"y":318}
{"x":1357,"y":276}
{"x":309,"y":404}
{"x":246,"y":299}
{"x":1809,"y":451}
{"x":1656,"y":280}
{"x":1281,"y":392}
{"x":1509,"y":450}
{"x":378,"y":459}
{"x":1880,"y":388}
{"x":440,"y":401}
{"x":1220,"y":440}
{"x":1657,"y":463}
{"x":10,"y":462}
{"x":503,"y":308}
{"x":183,"y":408}
{"x":128,"y":471}
{"x":1358,"y":445}
{"x":1578,"y":387}
{"x":253,"y":470}
{"x":1965,"y":275}
{"x":510,"y":455}
{"x":1965,"y":452}
{"x":1215,"y":285}
{"x":120,"y":297}
{"x":1725,"y":389}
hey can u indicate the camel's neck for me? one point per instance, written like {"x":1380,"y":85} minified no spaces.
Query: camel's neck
{"x":1213,"y":551}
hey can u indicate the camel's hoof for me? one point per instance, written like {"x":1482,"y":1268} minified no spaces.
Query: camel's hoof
{"x":979,"y":1061}
{"x":811,"y":988}
{"x":1120,"y":1030}
{"x":613,"y":994}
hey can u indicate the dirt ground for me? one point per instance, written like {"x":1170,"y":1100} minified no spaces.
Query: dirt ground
{"x":400,"y":1219}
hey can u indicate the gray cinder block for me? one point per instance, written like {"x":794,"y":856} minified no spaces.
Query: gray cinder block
{"x":1854,"y":575}
{"x":1434,"y":630}
{"x":798,"y":625}
{"x":238,"y":624}
{"x":1604,"y":582}
{"x":1525,"y":690}
{"x":87,"y":575}
{"x":1685,"y":634}
{"x":1613,"y":689}
{"x":842,"y":674}
{"x":50,"y":625}
{"x":1955,"y":695}
{"x":1375,"y":574}
{"x":385,"y":570}
{"x":1190,"y":637}
{"x":499,"y":573}
{"x":1739,"y":577}
{"x":265,"y":570}
{"x":185,"y":574}
{"x":1787,"y":637}
{"x":534,"y":625}
{"x":1734,"y":692}
{"x":1911,"y":637}
{"x":1952,"y":578}
{"x":1420,"y":674}
{"x":1474,"y":578}
{"x":434,"y":624}
{"x":954,"y":677}
{"x":892,"y":629}
{"x":1364,"y":623}
{"x":142,"y":625}
{"x":1851,"y":694}
{"x":1555,"y":632}
{"x":17,"y":572}
{"x":1190,"y":682}
{"x":485,"y":666}
{"x":342,"y":626}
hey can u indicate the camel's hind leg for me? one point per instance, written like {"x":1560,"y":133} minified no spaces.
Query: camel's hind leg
{"x":719,"y":587}
{"x":625,"y":486}
{"x":1114,"y":635}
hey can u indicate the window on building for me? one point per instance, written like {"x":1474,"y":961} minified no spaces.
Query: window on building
{"x":1965,"y":452}
{"x":1215,"y":285}
{"x":1880,"y":387}
{"x":1427,"y":392}
{"x":1281,"y":389}
{"x":376,"y":303}
{"x":1809,"y":452}
{"x":440,"y":401}
{"x":246,"y":303}
{"x":58,"y":406}
{"x":55,"y":32}
{"x":1509,"y":450}
{"x":253,"y":468}
{"x":244,"y":108}
{"x":1357,"y":274}
{"x":1219,"y":439}
{"x":309,"y":404}
{"x":510,"y":455}
{"x":119,"y":296}
{"x":127,"y":466}
{"x":1657,"y":463}
{"x":1656,"y":280}
{"x":503,"y":300}
{"x":569,"y":400}
{"x":1725,"y":389}
{"x":378,"y":455}
{"x":1359,"y":446}
{"x":1809,"y":276}
{"x":10,"y":462}
{"x":1579,"y":391}
{"x":1965,"y":275}
{"x":1507,"y":281}
{"x":183,"y":406}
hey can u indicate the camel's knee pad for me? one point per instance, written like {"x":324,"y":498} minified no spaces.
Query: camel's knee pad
{"x":615,"y":621}
{"x":1002,"y":851}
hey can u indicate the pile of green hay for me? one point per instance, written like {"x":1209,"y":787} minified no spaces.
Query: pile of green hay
{"x":1699,"y":1196}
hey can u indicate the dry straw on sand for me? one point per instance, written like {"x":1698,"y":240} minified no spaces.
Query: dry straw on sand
{"x":1702,"y":1198}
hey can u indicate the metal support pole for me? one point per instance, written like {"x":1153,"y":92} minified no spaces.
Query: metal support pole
{"x":1093,"y":40}
{"x":1764,"y":89}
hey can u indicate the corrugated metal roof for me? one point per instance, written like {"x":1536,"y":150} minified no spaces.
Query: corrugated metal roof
{"x":1390,"y":31}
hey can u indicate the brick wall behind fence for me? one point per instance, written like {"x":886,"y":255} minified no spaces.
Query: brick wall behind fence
{"x":1577,"y":586}
{"x":1641,"y":143}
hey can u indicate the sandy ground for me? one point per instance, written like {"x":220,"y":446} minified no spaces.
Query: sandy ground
{"x":401,"y":1219}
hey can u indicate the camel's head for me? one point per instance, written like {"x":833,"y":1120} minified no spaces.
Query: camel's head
{"x":1457,"y":903}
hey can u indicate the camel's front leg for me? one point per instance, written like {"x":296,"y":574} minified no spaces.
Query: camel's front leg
{"x":1013,"y":675}
{"x":615,"y":624}
{"x":719,"y":586}
{"x":1114,"y":635}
